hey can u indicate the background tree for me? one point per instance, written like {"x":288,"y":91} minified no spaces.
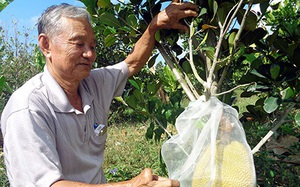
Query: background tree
{"x":20,"y":60}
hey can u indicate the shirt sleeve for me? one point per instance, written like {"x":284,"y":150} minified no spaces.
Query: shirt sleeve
{"x":30,"y":153}
{"x":108,"y":82}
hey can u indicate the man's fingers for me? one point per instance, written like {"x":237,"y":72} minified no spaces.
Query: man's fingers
{"x":189,"y":6}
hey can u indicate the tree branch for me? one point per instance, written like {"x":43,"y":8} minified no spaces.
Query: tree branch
{"x":279,"y":123}
{"x":191,"y":61}
{"x":228,"y":91}
{"x":177,"y":74}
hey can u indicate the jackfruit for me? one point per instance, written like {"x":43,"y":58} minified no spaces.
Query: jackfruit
{"x":233,"y":167}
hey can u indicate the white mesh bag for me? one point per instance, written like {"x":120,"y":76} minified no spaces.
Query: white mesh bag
{"x":210,"y":148}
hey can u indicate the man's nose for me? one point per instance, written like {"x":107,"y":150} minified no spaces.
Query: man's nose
{"x":89,"y":52}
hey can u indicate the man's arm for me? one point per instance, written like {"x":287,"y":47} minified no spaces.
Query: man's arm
{"x":166,"y":19}
{"x":145,"y":178}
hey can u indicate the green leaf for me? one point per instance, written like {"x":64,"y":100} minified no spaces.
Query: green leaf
{"x":120,"y":99}
{"x":271,"y":104}
{"x":210,"y":5}
{"x":110,"y":40}
{"x":255,"y":72}
{"x":150,"y":131}
{"x":210,"y":52}
{"x":109,"y":31}
{"x":202,"y":12}
{"x":297,"y":119}
{"x":223,"y":10}
{"x":255,"y":36}
{"x":90,"y":6}
{"x":109,"y":20}
{"x":288,"y":93}
{"x":138,"y":95}
{"x":4,"y":3}
{"x":274,"y":70}
{"x":2,"y":82}
{"x":151,"y":106}
{"x":168,"y":114}
{"x":231,"y":40}
{"x":215,"y":8}
{"x":263,"y":7}
{"x":152,"y":61}
{"x":151,"y":88}
{"x":157,"y":36}
{"x":132,"y":21}
{"x":187,"y":67}
{"x":132,"y":101}
{"x":251,"y":21}
{"x":135,"y":84}
{"x":104,"y":3}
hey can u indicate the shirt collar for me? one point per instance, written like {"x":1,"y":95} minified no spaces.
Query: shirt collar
{"x":58,"y":97}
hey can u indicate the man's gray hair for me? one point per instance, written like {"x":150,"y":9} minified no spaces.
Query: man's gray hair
{"x":48,"y":23}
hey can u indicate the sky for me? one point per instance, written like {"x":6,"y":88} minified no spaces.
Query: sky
{"x":25,"y":14}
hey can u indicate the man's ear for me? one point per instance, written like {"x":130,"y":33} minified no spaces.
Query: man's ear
{"x":44,"y":43}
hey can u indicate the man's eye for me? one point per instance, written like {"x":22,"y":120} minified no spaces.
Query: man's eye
{"x":80,"y":44}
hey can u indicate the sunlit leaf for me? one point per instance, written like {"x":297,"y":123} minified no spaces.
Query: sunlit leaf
{"x":210,"y":52}
{"x":109,"y":20}
{"x":202,"y":12}
{"x":271,"y":104}
{"x":109,"y":31}
{"x":110,"y":40}
{"x":151,"y":88}
{"x":4,"y":3}
{"x":104,"y":3}
{"x":215,"y":9}
{"x":134,"y":83}
{"x":231,"y":40}
{"x":120,"y":99}
{"x":2,"y":82}
{"x":255,"y":72}
{"x":288,"y":93}
{"x":157,"y":36}
{"x":131,"y":20}
{"x":297,"y":119}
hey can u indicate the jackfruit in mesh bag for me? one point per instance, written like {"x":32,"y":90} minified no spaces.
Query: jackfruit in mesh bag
{"x":210,"y":149}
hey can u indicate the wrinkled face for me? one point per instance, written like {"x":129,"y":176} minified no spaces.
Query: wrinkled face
{"x":72,"y":50}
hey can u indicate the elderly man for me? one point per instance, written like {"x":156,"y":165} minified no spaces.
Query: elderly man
{"x":54,"y":126}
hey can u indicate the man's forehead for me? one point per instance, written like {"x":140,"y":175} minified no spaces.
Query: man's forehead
{"x":82,"y":37}
{"x":77,"y":28}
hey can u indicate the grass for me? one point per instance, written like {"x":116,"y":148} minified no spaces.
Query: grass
{"x":3,"y":179}
{"x":128,"y":152}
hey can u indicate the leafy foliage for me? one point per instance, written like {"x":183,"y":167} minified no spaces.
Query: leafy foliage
{"x":228,"y":46}
{"x":18,"y":62}
{"x":4,"y":3}
{"x":161,"y":110}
